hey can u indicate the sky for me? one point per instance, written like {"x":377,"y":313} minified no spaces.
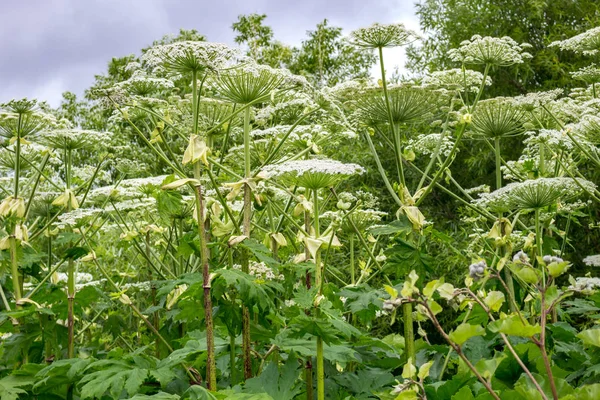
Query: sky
{"x":51,"y":46}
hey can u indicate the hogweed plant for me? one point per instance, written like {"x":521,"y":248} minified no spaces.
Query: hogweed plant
{"x":413,"y":239}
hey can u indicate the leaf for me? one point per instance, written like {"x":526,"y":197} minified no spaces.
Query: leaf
{"x":391,"y":291}
{"x":424,"y":370}
{"x":279,"y":385}
{"x":409,"y":370}
{"x":11,"y":386}
{"x":464,"y":394}
{"x":590,"y":337}
{"x":557,"y":269}
{"x":197,"y":392}
{"x":494,"y":300}
{"x":464,"y":332}
{"x":401,"y":225}
{"x":512,"y":325}
{"x":180,"y":182}
{"x":115,"y":376}
{"x":76,"y":252}
{"x":157,"y":396}
{"x":260,"y":251}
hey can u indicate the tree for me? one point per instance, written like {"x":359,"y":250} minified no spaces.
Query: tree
{"x":537,"y":22}
{"x":328,"y":59}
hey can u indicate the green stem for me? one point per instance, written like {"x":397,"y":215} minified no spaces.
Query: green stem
{"x":409,"y":334}
{"x":211,"y":368}
{"x":382,"y":170}
{"x":352,"y":266}
{"x":70,"y":308}
{"x":397,"y":145}
{"x":538,"y":241}
{"x":245,"y":256}
{"x":18,"y":156}
{"x":498,"y":163}
{"x":14,"y":264}
{"x":319,"y":284}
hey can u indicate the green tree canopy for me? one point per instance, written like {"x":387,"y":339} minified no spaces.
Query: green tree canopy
{"x":447,"y":23}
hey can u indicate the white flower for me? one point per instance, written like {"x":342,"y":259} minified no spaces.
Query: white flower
{"x":585,"y":285}
{"x":586,"y":43}
{"x":534,"y":100}
{"x":141,"y":84}
{"x":251,"y":82}
{"x":75,"y":217}
{"x":381,"y":258}
{"x":428,"y":143}
{"x":589,"y":74}
{"x":477,"y":269}
{"x":189,"y":56}
{"x":521,"y":257}
{"x":456,"y":80}
{"x":73,"y":138}
{"x":289,"y":303}
{"x":382,"y":35}
{"x":592,"y":261}
{"x":534,"y":193}
{"x":314,"y":173}
{"x":489,"y":50}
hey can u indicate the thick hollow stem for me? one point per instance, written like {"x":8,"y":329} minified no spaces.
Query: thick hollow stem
{"x":14,"y":265}
{"x":319,"y":284}
{"x":352,"y":266}
{"x":245,"y":257}
{"x":70,"y":309}
{"x":397,"y":144}
{"x":211,"y":369}
{"x":542,"y":346}
{"x":409,"y":334}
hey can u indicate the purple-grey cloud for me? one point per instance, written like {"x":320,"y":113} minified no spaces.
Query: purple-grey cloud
{"x":51,"y":46}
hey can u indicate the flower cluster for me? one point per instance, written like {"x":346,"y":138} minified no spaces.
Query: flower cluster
{"x":585,"y":285}
{"x":489,"y":50}
{"x":477,"y":269}
{"x":534,"y":193}
{"x":314,"y":173}
{"x":382,"y":35}
{"x":552,"y":259}
{"x":75,"y":217}
{"x":588,"y":74}
{"x":189,"y":56}
{"x":533,"y":100}
{"x":457,"y":79}
{"x":586,"y":43}
{"x":428,"y":143}
{"x":141,"y":84}
{"x":71,"y":139}
{"x":261,"y":272}
{"x":592,"y":261}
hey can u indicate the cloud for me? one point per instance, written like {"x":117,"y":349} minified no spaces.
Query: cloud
{"x":58,"y":45}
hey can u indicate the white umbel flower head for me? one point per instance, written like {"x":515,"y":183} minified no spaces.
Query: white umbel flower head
{"x":382,"y":35}
{"x":252,"y":82}
{"x":313,"y":174}
{"x":497,"y":118}
{"x":589,"y":74}
{"x":586,"y":43}
{"x":456,"y":79}
{"x":501,"y":52}
{"x":142,"y":85}
{"x":534,"y":194}
{"x":189,"y":56}
{"x":592,"y":261}
{"x":72,"y":139}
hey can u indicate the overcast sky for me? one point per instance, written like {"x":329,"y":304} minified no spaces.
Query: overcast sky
{"x":50,"y":46}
